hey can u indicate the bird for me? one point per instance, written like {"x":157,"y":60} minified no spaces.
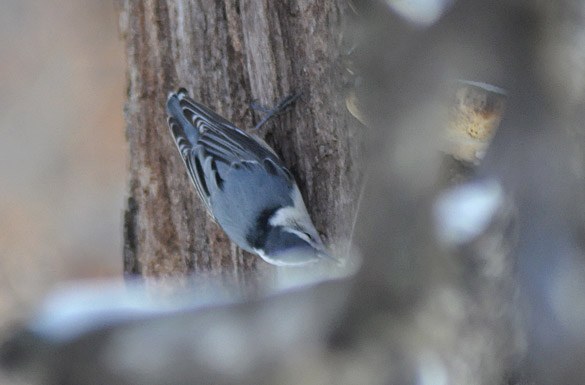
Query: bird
{"x":244,"y":185}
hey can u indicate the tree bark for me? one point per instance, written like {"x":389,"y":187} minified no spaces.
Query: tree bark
{"x":228,"y":54}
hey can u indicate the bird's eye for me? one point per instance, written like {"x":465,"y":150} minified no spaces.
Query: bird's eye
{"x":308,"y":235}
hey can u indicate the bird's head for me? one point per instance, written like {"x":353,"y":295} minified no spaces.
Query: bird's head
{"x":291,"y":238}
{"x":286,"y":245}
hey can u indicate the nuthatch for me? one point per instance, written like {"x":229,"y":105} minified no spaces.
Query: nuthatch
{"x":246,"y":187}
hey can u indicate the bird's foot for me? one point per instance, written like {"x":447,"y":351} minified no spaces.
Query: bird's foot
{"x":278,"y":109}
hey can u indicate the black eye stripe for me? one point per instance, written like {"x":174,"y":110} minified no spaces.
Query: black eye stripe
{"x":304,"y":232}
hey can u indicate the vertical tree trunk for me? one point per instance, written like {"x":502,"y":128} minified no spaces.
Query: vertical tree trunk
{"x":227,"y":54}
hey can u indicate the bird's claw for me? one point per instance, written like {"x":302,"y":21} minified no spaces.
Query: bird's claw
{"x":278,"y":109}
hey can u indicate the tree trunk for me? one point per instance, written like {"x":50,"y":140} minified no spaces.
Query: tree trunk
{"x":228,"y":54}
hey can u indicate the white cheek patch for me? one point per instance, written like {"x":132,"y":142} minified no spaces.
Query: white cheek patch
{"x":296,"y":220}
{"x":288,"y":216}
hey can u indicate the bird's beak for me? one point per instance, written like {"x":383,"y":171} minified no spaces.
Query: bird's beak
{"x":325,"y":255}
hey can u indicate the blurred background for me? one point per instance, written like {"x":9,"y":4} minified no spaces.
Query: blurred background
{"x":437,"y":313}
{"x":62,"y":147}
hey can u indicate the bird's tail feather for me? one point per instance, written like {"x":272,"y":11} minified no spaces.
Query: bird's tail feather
{"x":184,"y":132}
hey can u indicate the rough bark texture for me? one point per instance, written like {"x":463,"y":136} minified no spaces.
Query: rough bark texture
{"x":228,"y":54}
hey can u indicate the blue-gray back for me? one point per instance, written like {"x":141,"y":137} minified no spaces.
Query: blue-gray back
{"x":238,"y":177}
